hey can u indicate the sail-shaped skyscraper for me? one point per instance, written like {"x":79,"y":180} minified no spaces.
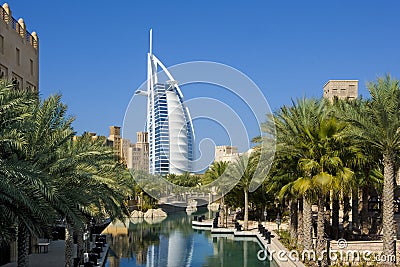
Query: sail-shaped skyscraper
{"x":169,"y":124}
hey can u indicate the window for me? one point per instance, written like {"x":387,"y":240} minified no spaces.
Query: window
{"x":18,"y":55}
{"x":3,"y":72}
{"x":16,"y":81}
{"x":31,"y":64}
{"x":30,"y":87}
{"x":1,"y":44}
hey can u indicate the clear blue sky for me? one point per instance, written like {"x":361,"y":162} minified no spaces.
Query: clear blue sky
{"x":94,"y":52}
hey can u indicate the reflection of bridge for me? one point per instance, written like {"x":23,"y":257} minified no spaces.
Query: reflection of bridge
{"x":187,"y":198}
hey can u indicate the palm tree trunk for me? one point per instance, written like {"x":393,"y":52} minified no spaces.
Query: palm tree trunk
{"x":328,"y":215}
{"x":307,"y":224}
{"x":293,"y":221}
{"x":80,"y":243}
{"x":246,"y":210}
{"x":388,"y":207}
{"x":364,"y":210}
{"x":22,"y":243}
{"x":69,"y":245}
{"x":346,"y":211}
{"x":321,"y":243}
{"x":300,"y":223}
{"x":354,"y":208}
{"x":335,"y":216}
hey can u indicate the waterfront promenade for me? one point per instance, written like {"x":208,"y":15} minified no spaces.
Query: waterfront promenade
{"x":53,"y":258}
{"x":253,"y":232}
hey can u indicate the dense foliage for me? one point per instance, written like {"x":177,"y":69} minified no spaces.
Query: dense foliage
{"x":47,"y":173}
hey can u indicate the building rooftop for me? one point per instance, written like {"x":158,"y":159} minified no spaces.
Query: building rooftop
{"x":18,"y":25}
{"x":339,"y":81}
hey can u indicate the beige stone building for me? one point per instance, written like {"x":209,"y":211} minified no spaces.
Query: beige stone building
{"x":226,"y":153}
{"x":342,"y":89}
{"x":19,"y":52}
{"x":138,"y":154}
{"x":121,"y":145}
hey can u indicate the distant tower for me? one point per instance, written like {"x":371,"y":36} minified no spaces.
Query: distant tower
{"x":169,"y":124}
{"x":120,"y":144}
{"x":138,"y":154}
{"x":342,"y":89}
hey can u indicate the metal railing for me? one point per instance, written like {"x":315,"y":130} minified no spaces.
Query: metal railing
{"x":17,"y":27}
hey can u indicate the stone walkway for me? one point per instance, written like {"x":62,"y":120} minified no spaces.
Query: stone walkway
{"x":54,"y":258}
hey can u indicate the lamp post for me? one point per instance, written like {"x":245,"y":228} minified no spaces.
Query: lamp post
{"x":86,"y":239}
{"x":265,"y":216}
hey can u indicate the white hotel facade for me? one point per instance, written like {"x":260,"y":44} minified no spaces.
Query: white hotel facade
{"x":169,"y":124}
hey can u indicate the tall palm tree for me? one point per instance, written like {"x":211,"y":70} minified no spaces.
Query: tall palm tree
{"x":378,"y":125}
{"x":82,"y":172}
{"x":364,"y":162}
{"x":43,"y":170}
{"x":216,"y":170}
{"x":280,"y":179}
{"x":89,"y":175}
{"x":325,"y":163}
{"x":23,"y":194}
{"x":293,"y":126}
{"x":243,"y":169}
{"x":316,"y":142}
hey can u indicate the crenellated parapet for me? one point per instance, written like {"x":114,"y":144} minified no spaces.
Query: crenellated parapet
{"x":18,"y":26}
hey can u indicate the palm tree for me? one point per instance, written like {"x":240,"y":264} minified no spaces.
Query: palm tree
{"x":280,"y":179}
{"x":216,"y":170}
{"x":293,"y":126}
{"x":89,"y":175}
{"x":243,"y":169}
{"x":315,"y":141}
{"x":378,"y":125}
{"x":23,"y":194}
{"x":325,"y":164}
{"x":87,"y":180}
{"x":43,"y":170}
{"x":364,"y":162}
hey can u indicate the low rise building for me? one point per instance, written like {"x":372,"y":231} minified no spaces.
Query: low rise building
{"x":342,"y":89}
{"x":119,"y":144}
{"x":226,"y":153}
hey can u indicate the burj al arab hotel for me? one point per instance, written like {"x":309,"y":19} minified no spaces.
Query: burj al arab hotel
{"x":168,"y":124}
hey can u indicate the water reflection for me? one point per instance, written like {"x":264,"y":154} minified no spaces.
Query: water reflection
{"x":173,"y":242}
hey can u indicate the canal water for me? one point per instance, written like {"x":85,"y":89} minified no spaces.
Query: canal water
{"x":173,"y":243}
